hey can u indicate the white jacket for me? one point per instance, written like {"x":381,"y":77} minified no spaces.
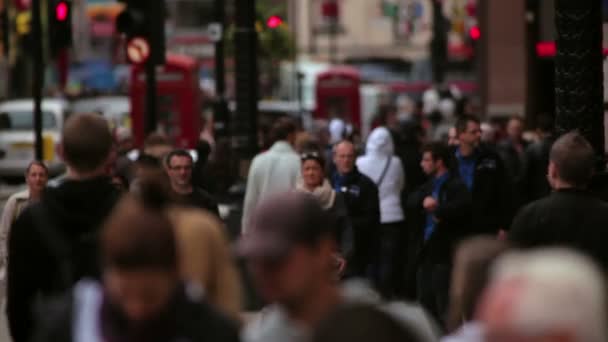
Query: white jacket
{"x":273,"y":171}
{"x":378,"y":151}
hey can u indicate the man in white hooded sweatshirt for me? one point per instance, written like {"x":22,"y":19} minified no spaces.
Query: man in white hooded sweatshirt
{"x":386,"y":170}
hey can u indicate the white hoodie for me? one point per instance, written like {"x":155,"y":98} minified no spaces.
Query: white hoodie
{"x":378,"y":151}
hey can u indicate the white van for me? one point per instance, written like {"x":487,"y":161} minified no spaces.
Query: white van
{"x":17,"y":135}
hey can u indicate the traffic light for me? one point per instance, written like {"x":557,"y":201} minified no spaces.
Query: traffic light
{"x":475,"y":33}
{"x":60,"y":25}
{"x":143,"y":20}
{"x":274,"y":21}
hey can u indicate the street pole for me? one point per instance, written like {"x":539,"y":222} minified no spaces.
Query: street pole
{"x":221,"y":117}
{"x":151,"y":101}
{"x":439,"y":43}
{"x":579,"y":72}
{"x":244,"y":126}
{"x":38,"y":81}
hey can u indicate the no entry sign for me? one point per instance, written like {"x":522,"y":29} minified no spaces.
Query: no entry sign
{"x":138,"y":50}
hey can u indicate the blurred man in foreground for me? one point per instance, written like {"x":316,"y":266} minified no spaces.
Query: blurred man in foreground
{"x":290,"y":249}
{"x":545,"y":296}
{"x":141,"y":296}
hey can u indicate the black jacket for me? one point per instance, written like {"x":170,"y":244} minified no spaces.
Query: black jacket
{"x":53,"y":244}
{"x":342,"y":224}
{"x":491,"y":193}
{"x":186,"y":319}
{"x":514,"y":162}
{"x":201,"y":199}
{"x":453,"y":215}
{"x":361,"y":198}
{"x":536,"y":163}
{"x":571,"y":218}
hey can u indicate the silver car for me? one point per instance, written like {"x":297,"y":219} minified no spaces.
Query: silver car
{"x":17,"y":135}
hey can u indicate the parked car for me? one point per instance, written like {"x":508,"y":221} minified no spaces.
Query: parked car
{"x":17,"y":135}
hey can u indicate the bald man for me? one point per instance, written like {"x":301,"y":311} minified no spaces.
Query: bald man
{"x":361,"y":195}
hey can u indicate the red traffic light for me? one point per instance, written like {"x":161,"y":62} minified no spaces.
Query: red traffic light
{"x":274,"y":21}
{"x":475,"y":33}
{"x":62,"y":11}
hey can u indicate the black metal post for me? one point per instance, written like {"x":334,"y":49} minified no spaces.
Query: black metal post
{"x":578,"y":71}
{"x":439,"y":43}
{"x":221,"y":117}
{"x":244,"y":123}
{"x":151,"y":118}
{"x":38,"y":77}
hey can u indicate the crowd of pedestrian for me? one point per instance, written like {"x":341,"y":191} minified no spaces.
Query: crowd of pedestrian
{"x":409,"y":240}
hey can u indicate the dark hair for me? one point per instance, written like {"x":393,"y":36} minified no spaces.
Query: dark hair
{"x":313,"y":155}
{"x":177,"y":153}
{"x":384,"y":111}
{"x":37,"y":163}
{"x":362,"y":323}
{"x":439,"y":151}
{"x":147,"y":160}
{"x":282,"y":128}
{"x":87,"y":142}
{"x":156,"y":139}
{"x":463,"y":122}
{"x":516,"y":118}
{"x":545,"y":123}
{"x":574,"y":159}
{"x":139,"y":235}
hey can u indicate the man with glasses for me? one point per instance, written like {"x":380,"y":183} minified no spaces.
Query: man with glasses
{"x":179,"y":164}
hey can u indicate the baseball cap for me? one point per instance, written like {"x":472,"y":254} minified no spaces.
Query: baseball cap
{"x":282,"y":221}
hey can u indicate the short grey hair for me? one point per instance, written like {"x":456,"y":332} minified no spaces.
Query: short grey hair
{"x":558,"y":289}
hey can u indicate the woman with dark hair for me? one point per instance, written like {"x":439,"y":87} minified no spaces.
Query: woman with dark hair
{"x":314,"y":182}
{"x":141,"y":296}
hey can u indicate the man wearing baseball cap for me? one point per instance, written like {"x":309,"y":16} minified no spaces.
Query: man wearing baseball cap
{"x":289,"y":247}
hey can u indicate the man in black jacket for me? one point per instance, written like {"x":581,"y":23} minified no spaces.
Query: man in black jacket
{"x":53,"y":243}
{"x":443,"y":206}
{"x":179,"y":165}
{"x":362,"y":202}
{"x":536,"y":185}
{"x":570,"y":216}
{"x":484,"y":174}
{"x":512,"y":151}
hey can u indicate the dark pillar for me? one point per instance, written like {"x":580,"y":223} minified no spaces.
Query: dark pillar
{"x":38,"y":76}
{"x":220,"y":112}
{"x":578,"y":71}
{"x":439,"y":44}
{"x":244,"y":122}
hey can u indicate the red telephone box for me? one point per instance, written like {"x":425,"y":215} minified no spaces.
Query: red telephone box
{"x":338,"y":94}
{"x":179,"y":101}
